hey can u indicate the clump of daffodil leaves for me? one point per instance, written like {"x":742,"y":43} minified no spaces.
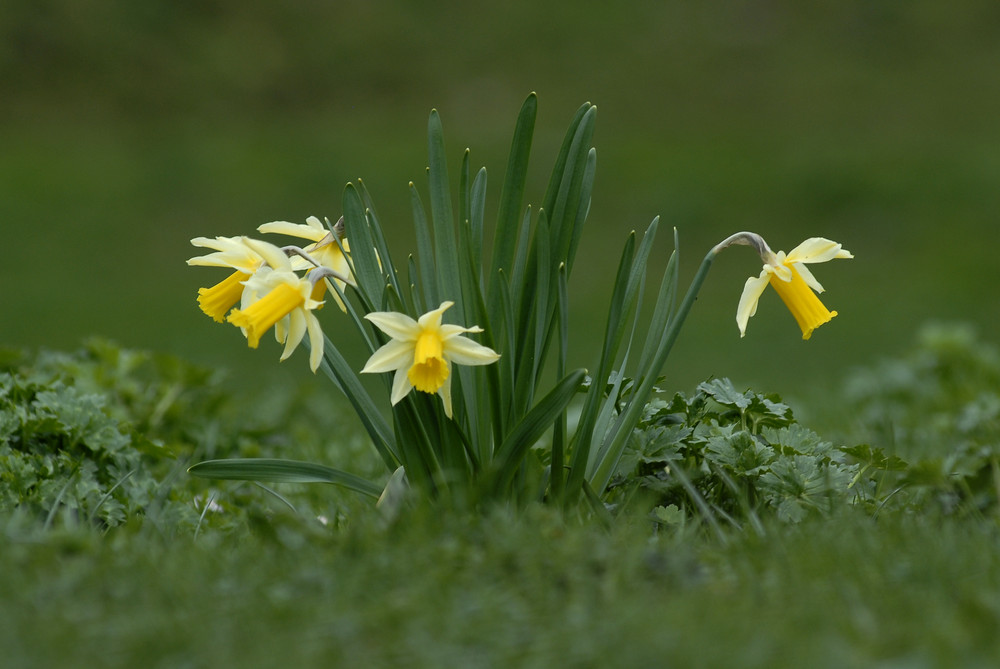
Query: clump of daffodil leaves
{"x":473,"y":349}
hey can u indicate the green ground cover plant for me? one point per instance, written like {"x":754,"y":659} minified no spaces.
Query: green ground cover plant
{"x":101,"y":438}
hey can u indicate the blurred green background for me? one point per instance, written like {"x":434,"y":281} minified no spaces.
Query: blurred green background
{"x":126,"y":128}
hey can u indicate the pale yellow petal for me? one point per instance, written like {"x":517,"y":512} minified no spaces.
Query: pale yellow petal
{"x":316,"y":341}
{"x":291,"y":229}
{"x":230,"y":252}
{"x":296,"y":330}
{"x":432,"y":319}
{"x":464,"y":351}
{"x":752,"y":291}
{"x":317,"y":226}
{"x":396,"y":325}
{"x":401,"y":386}
{"x":281,"y":331}
{"x":808,"y":277}
{"x":393,"y":355}
{"x":445,"y":392}
{"x":448,"y":331}
{"x":271,"y":254}
{"x":813,"y":250}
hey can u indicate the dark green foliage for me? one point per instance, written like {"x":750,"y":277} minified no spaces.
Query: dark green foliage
{"x":935,"y":412}
{"x":722,"y":454}
{"x":924,"y":429}
{"x":63,"y":452}
{"x":103,"y":436}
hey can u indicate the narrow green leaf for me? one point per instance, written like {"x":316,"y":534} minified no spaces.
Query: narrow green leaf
{"x":588,"y":417}
{"x":464,"y":188}
{"x":425,"y":251}
{"x":600,"y":511}
{"x":556,"y":179}
{"x":367,"y":271}
{"x":337,"y":368}
{"x":564,"y":204}
{"x":414,"y":419}
{"x":417,"y":299}
{"x":613,"y":440}
{"x":477,"y":218}
{"x":519,"y":270}
{"x":352,"y":313}
{"x":388,"y":270}
{"x":559,"y":433}
{"x":534,"y":424}
{"x":512,"y":196}
{"x":661,"y":312}
{"x":605,"y":458}
{"x":282,"y":471}
{"x":641,"y":394}
{"x":533,"y":315}
{"x":442,"y":218}
{"x":545,"y":269}
{"x":582,"y":210}
{"x":508,"y":358}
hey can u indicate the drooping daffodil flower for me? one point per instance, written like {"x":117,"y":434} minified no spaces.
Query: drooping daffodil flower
{"x":324,"y":250}
{"x":231,"y":252}
{"x":276,"y":296}
{"x":790,"y":277}
{"x":422,"y":351}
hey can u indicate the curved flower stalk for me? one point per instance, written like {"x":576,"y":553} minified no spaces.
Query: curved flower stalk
{"x":790,"y":277}
{"x":276,"y":296}
{"x":421,"y":353}
{"x":324,"y":250}
{"x":231,"y":252}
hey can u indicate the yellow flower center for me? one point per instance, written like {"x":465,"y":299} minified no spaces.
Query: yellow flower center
{"x":265,"y":312}
{"x":429,"y":370}
{"x":221,"y":297}
{"x":800,"y":299}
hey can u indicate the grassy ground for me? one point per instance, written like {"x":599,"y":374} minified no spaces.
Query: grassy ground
{"x":502,"y":591}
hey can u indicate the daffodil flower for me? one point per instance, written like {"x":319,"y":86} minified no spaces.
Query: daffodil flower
{"x":276,"y":296}
{"x":231,"y":252}
{"x":421,"y":353}
{"x":324,"y":250}
{"x":793,"y":281}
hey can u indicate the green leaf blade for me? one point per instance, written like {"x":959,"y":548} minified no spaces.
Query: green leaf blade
{"x":276,"y":470}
